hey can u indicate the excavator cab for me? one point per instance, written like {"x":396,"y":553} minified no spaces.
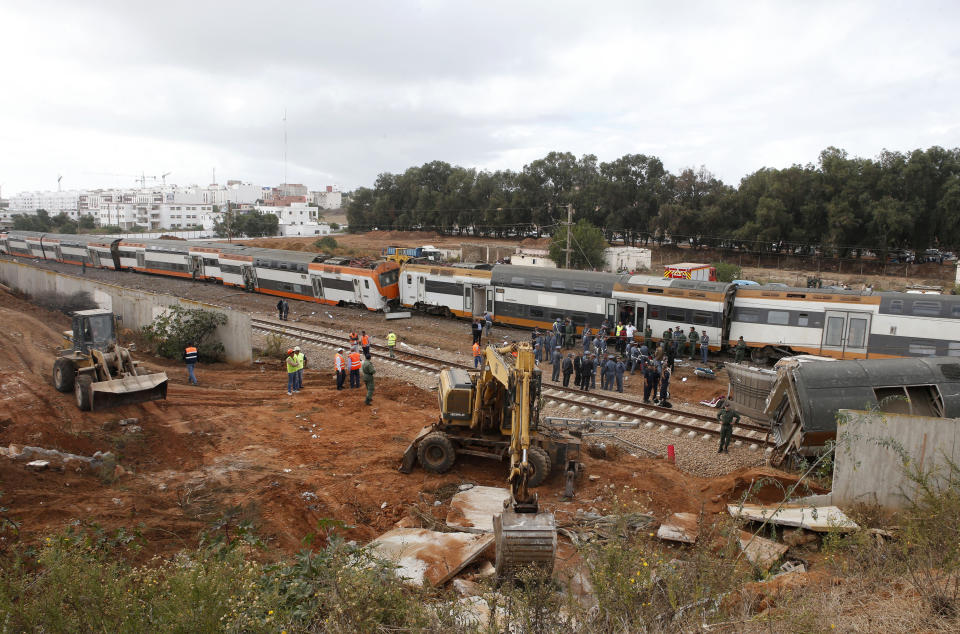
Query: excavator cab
{"x":93,"y":330}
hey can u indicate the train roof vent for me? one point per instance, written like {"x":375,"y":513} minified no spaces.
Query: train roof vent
{"x":951,"y":371}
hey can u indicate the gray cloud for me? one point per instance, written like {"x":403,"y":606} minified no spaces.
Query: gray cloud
{"x":119,"y":87}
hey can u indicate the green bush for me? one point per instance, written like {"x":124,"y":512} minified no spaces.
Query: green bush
{"x":179,"y":327}
{"x":326,"y":242}
{"x":727,"y":272}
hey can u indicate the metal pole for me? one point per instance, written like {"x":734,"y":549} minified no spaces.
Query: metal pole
{"x":569,"y":223}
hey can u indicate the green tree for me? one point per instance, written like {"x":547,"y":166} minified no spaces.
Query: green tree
{"x":87,"y":222}
{"x":179,"y":327}
{"x":586,"y":249}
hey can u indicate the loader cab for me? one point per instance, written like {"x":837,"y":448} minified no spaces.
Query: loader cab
{"x":93,"y":329}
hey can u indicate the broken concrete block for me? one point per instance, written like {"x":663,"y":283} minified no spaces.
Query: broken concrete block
{"x":760,"y":551}
{"x":816,"y":518}
{"x":424,"y":555}
{"x":487,"y":569}
{"x":38,"y":465}
{"x":680,"y":527}
{"x":473,"y":510}
{"x":132,"y":429}
{"x":466,"y":588}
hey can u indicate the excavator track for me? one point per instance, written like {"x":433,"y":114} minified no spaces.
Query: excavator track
{"x":524,"y":540}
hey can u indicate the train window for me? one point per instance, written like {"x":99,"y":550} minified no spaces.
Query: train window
{"x":749,"y":316}
{"x":921,"y":348}
{"x":366,"y":283}
{"x":409,"y":279}
{"x":654,"y":290}
{"x":955,"y":311}
{"x":703,"y":319}
{"x":896,"y":306}
{"x":676,"y":314}
{"x":892,"y":399}
{"x":778,"y":317}
{"x":518,"y":281}
{"x":654,"y":312}
{"x":558,"y":285}
{"x":953,"y":350}
{"x":928,"y":308}
{"x":579,"y":287}
{"x":598,"y":289}
{"x":803,"y":319}
{"x":535,"y":283}
{"x":535,"y":312}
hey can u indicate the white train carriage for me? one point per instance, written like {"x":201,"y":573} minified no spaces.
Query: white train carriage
{"x":534,"y":296}
{"x":16,"y":244}
{"x":661,"y":303}
{"x":163,"y":257}
{"x":74,"y":249}
{"x":39,"y":246}
{"x":369,"y":283}
{"x":463,"y":290}
{"x":912,"y":325}
{"x":283,"y":273}
{"x":206,"y":262}
{"x":777,"y":321}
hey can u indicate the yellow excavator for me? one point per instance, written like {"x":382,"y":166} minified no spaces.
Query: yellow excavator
{"x":495,"y":414}
{"x":100,"y":372}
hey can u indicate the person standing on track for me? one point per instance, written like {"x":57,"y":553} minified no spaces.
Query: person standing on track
{"x":664,"y":385}
{"x":704,"y":346}
{"x":354,"y":341}
{"x":740,"y":349}
{"x":727,"y":418}
{"x":355,"y":362}
{"x":587,"y":369}
{"x":619,"y":369}
{"x":339,"y":364}
{"x":477,"y":358}
{"x":280,"y":309}
{"x":286,"y":310}
{"x":190,"y":357}
{"x":366,"y":369}
{"x":578,"y":370}
{"x":567,"y":369}
{"x":555,"y":361}
{"x":391,"y":342}
{"x":365,"y":343}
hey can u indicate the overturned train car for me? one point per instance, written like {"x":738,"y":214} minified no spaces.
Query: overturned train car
{"x":805,"y":398}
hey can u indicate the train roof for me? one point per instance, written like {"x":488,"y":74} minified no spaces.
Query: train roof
{"x":825,"y":387}
{"x":670,"y":282}
{"x":509,"y":274}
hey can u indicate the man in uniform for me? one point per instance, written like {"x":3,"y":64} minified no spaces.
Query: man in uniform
{"x":609,"y":372}
{"x":578,"y":370}
{"x":567,"y":369}
{"x":619,"y":369}
{"x":680,"y":342}
{"x":651,"y":378}
{"x":569,"y":330}
{"x":340,"y":365}
{"x":588,"y":369}
{"x":694,"y":339}
{"x":587,"y":339}
{"x":648,"y":337}
{"x":367,"y":371}
{"x":558,"y":333}
{"x":727,"y":418}
{"x":667,"y":340}
{"x":391,"y":342}
{"x":704,"y":346}
{"x":741,"y":349}
{"x":664,"y":385}
{"x":555,"y":361}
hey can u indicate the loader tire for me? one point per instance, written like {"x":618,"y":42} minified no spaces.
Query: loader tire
{"x":540,"y":461}
{"x":82,"y":391}
{"x":436,"y":453}
{"x":64,"y":375}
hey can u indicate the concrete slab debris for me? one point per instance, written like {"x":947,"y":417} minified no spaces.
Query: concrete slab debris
{"x":680,"y":527}
{"x":424,"y":555}
{"x":473,"y":510}
{"x":38,"y":465}
{"x":760,"y":551}
{"x":402,"y":315}
{"x":815,"y":518}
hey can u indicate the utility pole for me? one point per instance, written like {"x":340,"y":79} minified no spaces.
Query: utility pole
{"x":569,"y":223}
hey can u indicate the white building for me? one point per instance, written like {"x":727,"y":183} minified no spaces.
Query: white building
{"x":328,"y":198}
{"x":297,"y":219}
{"x":53,"y":202}
{"x":532,"y":257}
{"x":626,"y":259}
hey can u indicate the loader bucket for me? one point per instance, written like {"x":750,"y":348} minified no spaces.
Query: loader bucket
{"x":129,"y":390}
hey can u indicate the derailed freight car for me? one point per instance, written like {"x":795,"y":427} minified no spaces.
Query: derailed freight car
{"x":805,"y":398}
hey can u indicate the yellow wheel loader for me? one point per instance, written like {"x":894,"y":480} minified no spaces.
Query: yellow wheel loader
{"x":495,"y":414}
{"x":100,"y":372}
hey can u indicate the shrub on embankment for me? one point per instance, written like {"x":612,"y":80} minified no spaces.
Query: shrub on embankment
{"x":179,"y":327}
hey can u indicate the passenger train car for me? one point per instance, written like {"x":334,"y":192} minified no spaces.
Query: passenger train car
{"x":459,"y":290}
{"x":295,"y":274}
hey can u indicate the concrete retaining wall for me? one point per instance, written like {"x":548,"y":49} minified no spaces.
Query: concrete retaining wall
{"x":868,"y":470}
{"x":136,"y":308}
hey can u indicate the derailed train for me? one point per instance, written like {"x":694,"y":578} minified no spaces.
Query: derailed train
{"x":299,"y":275}
{"x":774,"y":321}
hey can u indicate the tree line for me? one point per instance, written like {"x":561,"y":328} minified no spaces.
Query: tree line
{"x":842,"y":204}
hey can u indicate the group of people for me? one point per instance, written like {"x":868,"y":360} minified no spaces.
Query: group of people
{"x":481,"y":326}
{"x":358,"y":367}
{"x":283,"y":310}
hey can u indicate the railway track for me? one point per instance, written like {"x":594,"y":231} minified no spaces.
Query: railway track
{"x":573,"y":401}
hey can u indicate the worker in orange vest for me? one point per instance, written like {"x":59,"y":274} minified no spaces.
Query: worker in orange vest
{"x":476,"y":355}
{"x":355,"y":362}
{"x":365,"y":343}
{"x":339,"y":364}
{"x":190,"y":357}
{"x":354,"y":338}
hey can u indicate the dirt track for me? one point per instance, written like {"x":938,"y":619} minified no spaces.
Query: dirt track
{"x":238,"y":440}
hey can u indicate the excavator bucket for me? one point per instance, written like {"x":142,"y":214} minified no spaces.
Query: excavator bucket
{"x":410,"y":455}
{"x":524,"y":540}
{"x":128,"y":390}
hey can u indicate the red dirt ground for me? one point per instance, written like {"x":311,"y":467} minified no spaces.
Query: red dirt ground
{"x":238,"y":440}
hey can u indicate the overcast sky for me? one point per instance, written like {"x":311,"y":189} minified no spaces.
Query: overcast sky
{"x":100,"y":91}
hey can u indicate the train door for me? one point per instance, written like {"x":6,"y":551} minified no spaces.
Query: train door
{"x":317,"y":286}
{"x":611,"y":312}
{"x":357,"y":293}
{"x":95,"y":258}
{"x":59,"y":250}
{"x":846,"y":332}
{"x":490,"y":301}
{"x":142,"y":259}
{"x":249,"y":277}
{"x":477,"y":299}
{"x":632,"y":313}
{"x":196,"y":265}
{"x":421,"y":289}
{"x":467,"y":299}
